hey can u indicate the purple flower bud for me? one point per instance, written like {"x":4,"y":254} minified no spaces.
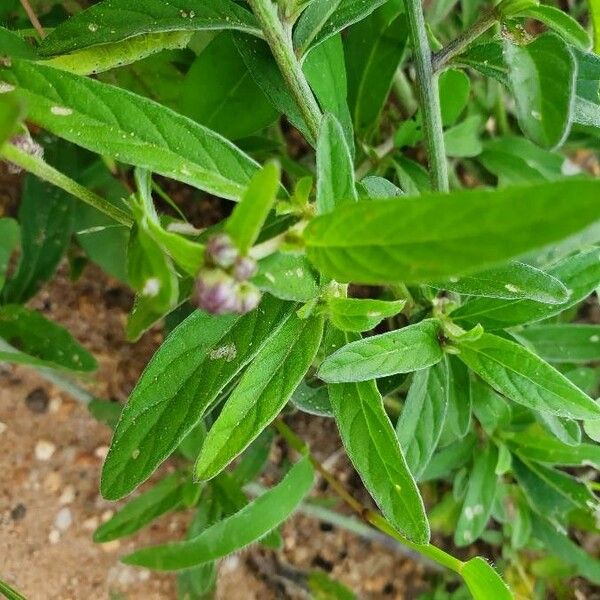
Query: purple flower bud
{"x":216,"y":292}
{"x":26,"y":143}
{"x":245,"y":268}
{"x":248,"y":298}
{"x":221,"y":251}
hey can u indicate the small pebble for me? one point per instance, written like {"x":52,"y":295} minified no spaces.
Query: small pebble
{"x":106,"y":515}
{"x":3,"y":427}
{"x":55,"y":404}
{"x":52,"y":482}
{"x":37,"y":401}
{"x":111,"y":546}
{"x":68,"y":495}
{"x":18,"y":512}
{"x":101,"y":452}
{"x":90,"y":524}
{"x":44,"y":450}
{"x":63,"y":520}
{"x":54,"y":536}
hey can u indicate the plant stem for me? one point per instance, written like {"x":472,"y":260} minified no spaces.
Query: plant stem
{"x":372,"y":517}
{"x":279,"y":39}
{"x":429,"y":97}
{"x":44,"y":171}
{"x":464,"y":40}
{"x":33,"y":18}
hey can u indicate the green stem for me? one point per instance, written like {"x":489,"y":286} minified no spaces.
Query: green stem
{"x":463,"y":41}
{"x":44,"y":171}
{"x":429,"y":97}
{"x":376,"y":520}
{"x":279,"y":39}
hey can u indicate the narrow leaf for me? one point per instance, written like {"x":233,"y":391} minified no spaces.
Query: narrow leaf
{"x":400,"y":351}
{"x":250,"y":524}
{"x":483,"y":581}
{"x":526,"y":379}
{"x":355,"y":314}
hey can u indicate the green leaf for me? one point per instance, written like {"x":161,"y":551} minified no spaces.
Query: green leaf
{"x":483,"y":581}
{"x":261,"y":394}
{"x":9,"y":592}
{"x":355,"y":314}
{"x":40,"y":341}
{"x":324,"y":18}
{"x":588,"y":89}
{"x":479,"y":499}
{"x":116,"y":20}
{"x":287,"y":276}
{"x":322,"y":587}
{"x":570,"y":553}
{"x":335,"y":170}
{"x":401,"y":351}
{"x":458,"y":418}
{"x":184,"y":378}
{"x":10,"y":234}
{"x":450,"y":458}
{"x":249,"y":525}
{"x":420,"y":240}
{"x":374,"y":49}
{"x":163,"y":497}
{"x":512,"y":281}
{"x":455,"y":87}
{"x":490,"y":409}
{"x":325,"y":70}
{"x":533,"y":444}
{"x":14,"y":46}
{"x":526,"y":379}
{"x":542,"y":77}
{"x":561,"y":22}
{"x":422,"y":418}
{"x":375,"y":452}
{"x":595,"y":17}
{"x":571,"y":343}
{"x":11,"y":111}
{"x":463,"y":140}
{"x":249,"y":216}
{"x":132,"y":129}
{"x":579,"y":273}
{"x":219,"y":85}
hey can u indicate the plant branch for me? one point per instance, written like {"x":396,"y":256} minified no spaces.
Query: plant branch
{"x":372,"y":517}
{"x":464,"y":40}
{"x":279,"y":39}
{"x":429,"y":97}
{"x":44,"y":171}
{"x":33,"y":18}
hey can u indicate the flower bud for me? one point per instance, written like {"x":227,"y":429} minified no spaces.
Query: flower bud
{"x":216,"y":292}
{"x":245,"y":268}
{"x":221,"y":251}
{"x":248,"y":298}
{"x":27,"y":144}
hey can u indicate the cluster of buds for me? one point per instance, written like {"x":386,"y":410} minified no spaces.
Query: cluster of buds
{"x":27,"y":144}
{"x":223,"y":286}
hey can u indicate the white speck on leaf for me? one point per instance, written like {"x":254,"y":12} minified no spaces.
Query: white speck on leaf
{"x":5,"y":88}
{"x":93,"y":27}
{"x":135,"y":453}
{"x":151,"y":287}
{"x":227,"y":352}
{"x":512,"y":288}
{"x":61,"y":111}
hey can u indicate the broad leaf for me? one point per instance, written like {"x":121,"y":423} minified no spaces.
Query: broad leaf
{"x":458,"y":418}
{"x":400,"y":351}
{"x":355,"y":314}
{"x":423,"y":414}
{"x":219,"y":85}
{"x":163,"y":497}
{"x":249,"y":525}
{"x":542,"y":77}
{"x":420,"y":240}
{"x":375,"y":452}
{"x":513,"y":281}
{"x":132,"y":129}
{"x":561,"y":22}
{"x":9,"y":239}
{"x":183,"y":379}
{"x":116,"y":20}
{"x":324,"y":18}
{"x":483,"y":581}
{"x":335,"y":170}
{"x":563,"y":343}
{"x":479,"y":499}
{"x":523,"y":377}
{"x":287,"y":276}
{"x":262,"y":392}
{"x":580,"y":275}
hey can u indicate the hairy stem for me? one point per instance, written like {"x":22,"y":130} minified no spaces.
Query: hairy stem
{"x":33,"y":18}
{"x":372,"y":517}
{"x":463,"y":41}
{"x":429,"y":97}
{"x":44,"y":171}
{"x":279,"y":39}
